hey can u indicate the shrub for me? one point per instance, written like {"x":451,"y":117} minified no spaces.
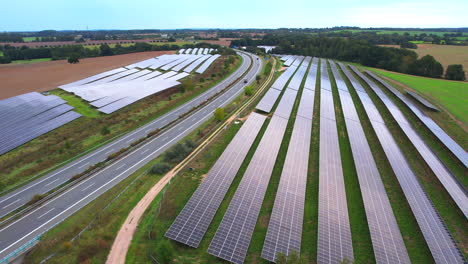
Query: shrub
{"x":105,"y":131}
{"x":219,"y":113}
{"x":164,"y":252}
{"x":455,"y":72}
{"x":160,"y":168}
{"x":248,"y":90}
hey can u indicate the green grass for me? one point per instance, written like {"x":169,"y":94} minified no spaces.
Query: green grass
{"x":1,"y":53}
{"x":30,"y":61}
{"x":400,"y":32}
{"x":80,"y":105}
{"x":180,"y":43}
{"x":452,"y":95}
{"x":29,"y":39}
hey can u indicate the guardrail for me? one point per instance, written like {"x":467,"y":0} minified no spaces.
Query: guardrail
{"x":21,"y":250}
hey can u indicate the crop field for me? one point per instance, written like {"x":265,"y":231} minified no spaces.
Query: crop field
{"x":30,"y":61}
{"x":445,"y":54}
{"x":400,"y":32}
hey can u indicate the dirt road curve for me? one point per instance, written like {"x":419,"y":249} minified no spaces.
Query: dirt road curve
{"x":16,"y":79}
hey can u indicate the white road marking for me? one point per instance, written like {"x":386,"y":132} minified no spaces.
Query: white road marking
{"x":52,"y":182}
{"x":121,"y":166}
{"x":87,"y":187}
{"x":130,"y":141}
{"x":109,"y":152}
{"x":144,"y":151}
{"x":10,"y":204}
{"x":45,"y":213}
{"x":82,"y":166}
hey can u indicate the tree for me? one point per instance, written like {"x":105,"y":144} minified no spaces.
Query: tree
{"x":426,"y":66}
{"x":408,"y":45}
{"x":160,"y":168}
{"x":258,"y":78}
{"x":219,"y":114}
{"x":105,"y":131}
{"x":4,"y":59}
{"x":74,"y":58}
{"x":105,"y":50}
{"x":455,"y":72}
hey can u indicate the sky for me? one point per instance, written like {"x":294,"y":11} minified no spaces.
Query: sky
{"x":34,"y":15}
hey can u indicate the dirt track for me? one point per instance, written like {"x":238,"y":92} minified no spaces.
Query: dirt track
{"x":16,"y":79}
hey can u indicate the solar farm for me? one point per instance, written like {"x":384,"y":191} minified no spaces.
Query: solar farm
{"x":298,"y":87}
{"x":31,"y":115}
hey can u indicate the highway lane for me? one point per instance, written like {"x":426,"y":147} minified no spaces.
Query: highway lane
{"x":15,"y":199}
{"x":56,"y":210}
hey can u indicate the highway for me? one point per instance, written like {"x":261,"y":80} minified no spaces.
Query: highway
{"x":15,"y":199}
{"x":62,"y":206}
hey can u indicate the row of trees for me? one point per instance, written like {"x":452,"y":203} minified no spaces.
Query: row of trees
{"x":79,"y":51}
{"x":352,"y":50}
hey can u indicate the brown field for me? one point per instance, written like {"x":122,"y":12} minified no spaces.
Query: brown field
{"x":222,"y":41}
{"x":43,"y":76}
{"x":445,"y":54}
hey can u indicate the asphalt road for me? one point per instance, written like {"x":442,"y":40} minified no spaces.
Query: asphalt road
{"x":15,"y":199}
{"x":56,"y":210}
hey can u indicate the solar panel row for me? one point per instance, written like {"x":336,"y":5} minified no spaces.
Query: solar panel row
{"x":453,"y":146}
{"x":232,"y":238}
{"x":285,"y":227}
{"x":422,"y":101}
{"x":207,"y":64}
{"x":92,"y":78}
{"x":196,"y":63}
{"x":312,"y":76}
{"x":25,"y":117}
{"x":192,"y":222}
{"x":445,"y":177}
{"x":385,"y":234}
{"x":334,"y":232}
{"x":437,"y":237}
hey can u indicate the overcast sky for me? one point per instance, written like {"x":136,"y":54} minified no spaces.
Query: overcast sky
{"x":34,"y":15}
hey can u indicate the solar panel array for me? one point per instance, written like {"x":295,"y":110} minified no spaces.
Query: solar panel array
{"x":193,"y":221}
{"x":285,"y":227}
{"x":441,"y":244}
{"x":232,"y":238}
{"x":113,"y":90}
{"x":453,"y":146}
{"x":27,"y":116}
{"x":334,"y":232}
{"x":422,"y":101}
{"x":445,"y":177}
{"x":385,"y":234}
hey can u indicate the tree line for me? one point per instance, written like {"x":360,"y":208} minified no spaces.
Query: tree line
{"x":11,"y":53}
{"x":351,"y":50}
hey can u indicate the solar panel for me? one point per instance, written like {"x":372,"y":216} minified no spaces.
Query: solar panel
{"x":437,"y":237}
{"x":181,"y":51}
{"x":268,"y":100}
{"x":445,"y":177}
{"x":179,"y":60}
{"x":196,"y":63}
{"x":149,"y":76}
{"x":385,"y":234}
{"x":92,"y":78}
{"x":233,"y":236}
{"x":192,"y":222}
{"x":285,"y":227}
{"x":191,"y":59}
{"x":112,"y":77}
{"x":287,"y":102}
{"x":312,"y":75}
{"x":132,"y":76}
{"x":207,"y":64}
{"x":453,"y":146}
{"x":334,"y":232}
{"x":422,"y":101}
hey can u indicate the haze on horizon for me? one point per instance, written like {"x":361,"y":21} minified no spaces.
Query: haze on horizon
{"x":31,"y":15}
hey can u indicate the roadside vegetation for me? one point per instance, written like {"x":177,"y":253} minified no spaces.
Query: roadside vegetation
{"x":94,"y":128}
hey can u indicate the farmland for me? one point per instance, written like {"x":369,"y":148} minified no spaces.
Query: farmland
{"x":179,"y":43}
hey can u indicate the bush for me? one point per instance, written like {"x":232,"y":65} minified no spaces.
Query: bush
{"x":248,"y":90}
{"x":219,"y":114}
{"x":164,"y":252}
{"x":160,"y":168}
{"x":74,"y":58}
{"x":105,"y":131}
{"x":179,"y":151}
{"x":4,"y":59}
{"x":455,"y":72}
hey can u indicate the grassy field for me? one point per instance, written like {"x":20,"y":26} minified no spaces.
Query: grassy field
{"x":452,"y":95}
{"x":180,"y":43}
{"x":73,"y":139}
{"x":29,"y":39}
{"x":400,"y":32}
{"x":30,"y":61}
